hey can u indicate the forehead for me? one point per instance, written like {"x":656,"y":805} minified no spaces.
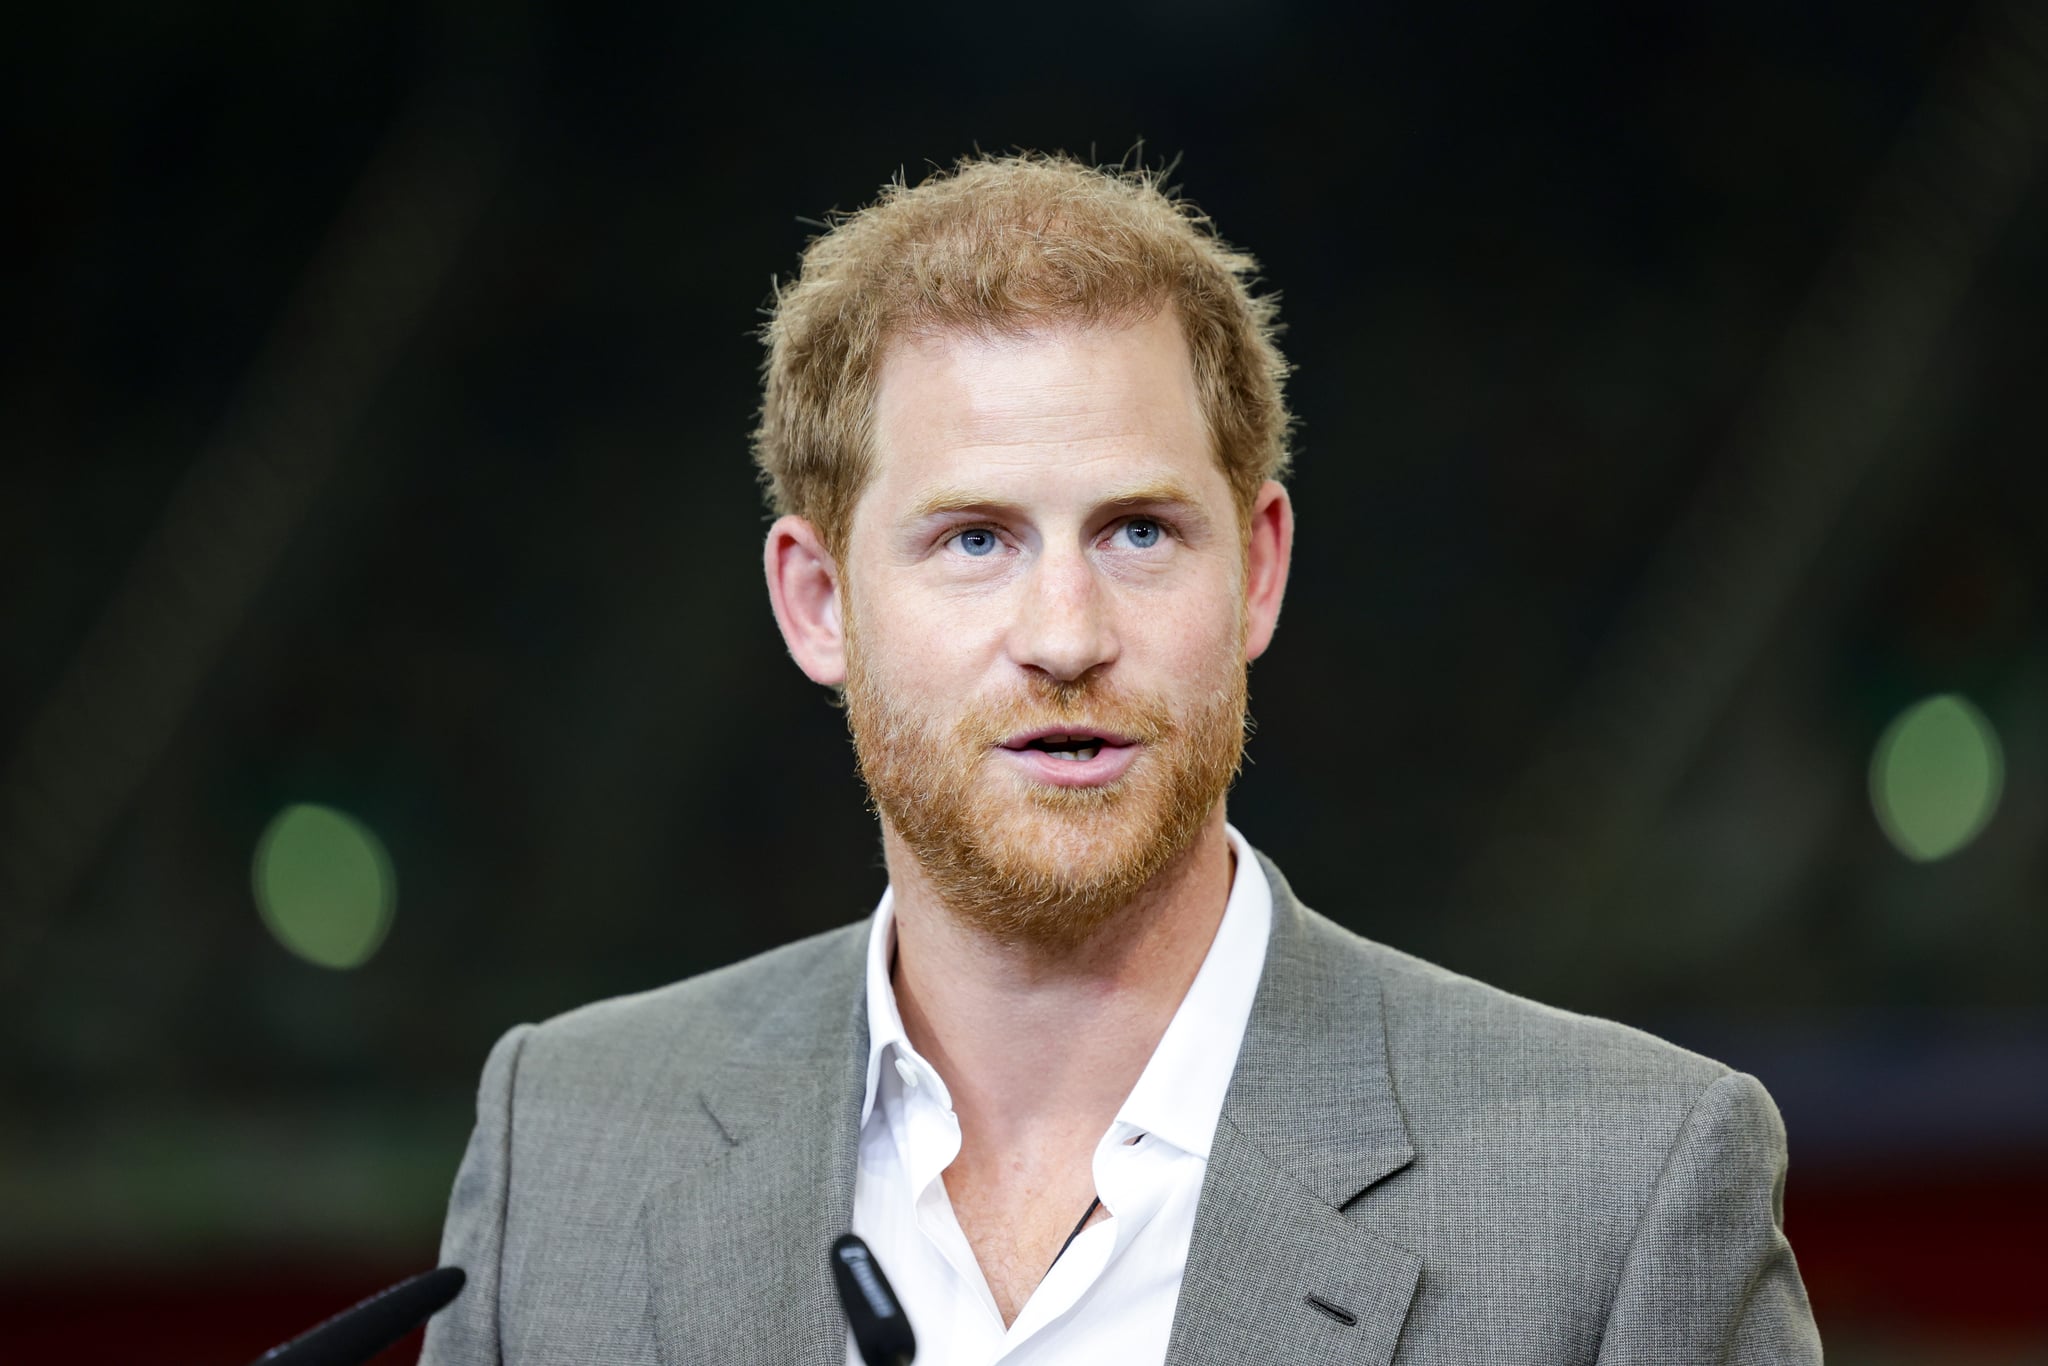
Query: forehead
{"x":1049,"y":413}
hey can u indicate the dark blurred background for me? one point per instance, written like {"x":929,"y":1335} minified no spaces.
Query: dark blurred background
{"x":383,"y":657}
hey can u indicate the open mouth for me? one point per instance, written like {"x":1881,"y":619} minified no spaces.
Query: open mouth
{"x":1075,"y":746}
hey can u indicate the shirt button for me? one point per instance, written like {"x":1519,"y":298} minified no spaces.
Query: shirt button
{"x":908,"y":1071}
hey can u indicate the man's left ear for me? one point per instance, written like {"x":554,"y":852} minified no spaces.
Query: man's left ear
{"x":1268,"y":551}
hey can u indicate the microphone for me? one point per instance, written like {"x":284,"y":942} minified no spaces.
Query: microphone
{"x":881,"y":1330}
{"x":355,"y":1335}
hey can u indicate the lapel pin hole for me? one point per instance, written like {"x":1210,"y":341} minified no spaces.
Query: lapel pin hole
{"x":1337,"y":1312}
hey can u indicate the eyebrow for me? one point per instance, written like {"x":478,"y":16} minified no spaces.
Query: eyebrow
{"x":945,"y":500}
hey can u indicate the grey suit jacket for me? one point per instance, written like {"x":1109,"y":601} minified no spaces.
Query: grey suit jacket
{"x":1464,"y":1175}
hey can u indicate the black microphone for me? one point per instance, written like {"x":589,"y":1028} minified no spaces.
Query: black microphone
{"x":355,"y":1335}
{"x":881,"y":1330}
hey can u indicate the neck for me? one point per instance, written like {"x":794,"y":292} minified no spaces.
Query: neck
{"x":1033,"y":1044}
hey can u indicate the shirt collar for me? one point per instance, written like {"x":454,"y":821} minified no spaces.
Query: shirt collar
{"x":1180,"y":1093}
{"x":885,"y":1022}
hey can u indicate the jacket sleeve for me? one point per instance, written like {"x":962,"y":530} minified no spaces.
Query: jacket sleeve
{"x":466,"y":1332}
{"x":1709,"y":1277}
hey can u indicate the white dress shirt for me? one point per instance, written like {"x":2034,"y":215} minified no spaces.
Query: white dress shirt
{"x":1111,"y":1295}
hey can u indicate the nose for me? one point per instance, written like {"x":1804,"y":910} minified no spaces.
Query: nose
{"x":1063,"y":625}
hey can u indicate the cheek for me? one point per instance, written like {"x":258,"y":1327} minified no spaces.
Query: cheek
{"x":1199,"y":625}
{"x":1189,"y":650}
{"x":920,"y":647}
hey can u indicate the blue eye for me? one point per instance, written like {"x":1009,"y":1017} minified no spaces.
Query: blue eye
{"x":1143,"y":532}
{"x":976,"y":541}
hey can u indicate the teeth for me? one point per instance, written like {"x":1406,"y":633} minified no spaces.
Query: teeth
{"x":1077,"y":755}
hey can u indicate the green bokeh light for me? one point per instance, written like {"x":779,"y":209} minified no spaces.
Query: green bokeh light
{"x":324,"y":885}
{"x":1936,"y":777}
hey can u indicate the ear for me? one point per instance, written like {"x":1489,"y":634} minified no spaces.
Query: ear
{"x":803,"y":588}
{"x":1268,"y":552}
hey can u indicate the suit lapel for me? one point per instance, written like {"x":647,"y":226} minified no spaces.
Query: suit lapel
{"x":738,"y":1247}
{"x":1309,"y":1124}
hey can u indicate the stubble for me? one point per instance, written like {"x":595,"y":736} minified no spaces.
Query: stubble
{"x":1029,"y":863}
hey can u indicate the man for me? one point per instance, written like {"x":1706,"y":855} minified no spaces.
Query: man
{"x":1092,"y":1082}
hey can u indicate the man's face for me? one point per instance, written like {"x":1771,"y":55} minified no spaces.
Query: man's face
{"x":1045,"y":620}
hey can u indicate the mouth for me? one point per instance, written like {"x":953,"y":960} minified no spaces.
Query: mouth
{"x":1072,"y":745}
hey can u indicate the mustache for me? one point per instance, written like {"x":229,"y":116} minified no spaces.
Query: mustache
{"x":1078,"y":704}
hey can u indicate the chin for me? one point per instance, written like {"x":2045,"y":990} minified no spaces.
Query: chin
{"x":1051,"y":874}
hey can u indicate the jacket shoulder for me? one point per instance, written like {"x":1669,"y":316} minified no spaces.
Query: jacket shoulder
{"x":699,"y":1021}
{"x":1447,"y":1030}
{"x":1439,"y":1017}
{"x":1483,"y":1075}
{"x":1555,"y":1155}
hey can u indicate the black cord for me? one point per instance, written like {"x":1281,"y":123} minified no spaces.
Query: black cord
{"x":1072,"y":1236}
